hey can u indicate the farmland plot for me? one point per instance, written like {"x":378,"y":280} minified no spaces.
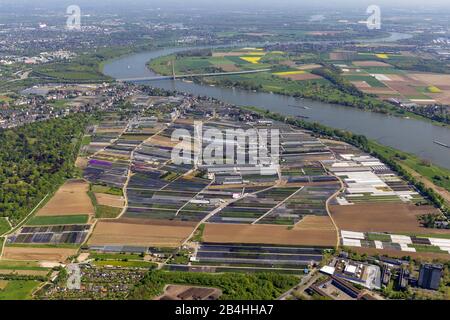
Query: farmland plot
{"x":70,"y":199}
{"x":39,"y":254}
{"x":69,"y":234}
{"x":268,"y":234}
{"x":138,"y":232}
{"x":257,"y":256}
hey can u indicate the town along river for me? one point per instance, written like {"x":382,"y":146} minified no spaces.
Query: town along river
{"x":410,"y":135}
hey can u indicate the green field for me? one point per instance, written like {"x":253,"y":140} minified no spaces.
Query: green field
{"x":20,"y":265}
{"x":104,"y":212}
{"x":96,"y":188}
{"x":18,"y":289}
{"x":125,"y":264}
{"x":115,"y":256}
{"x":372,"y":81}
{"x":57,"y":220}
{"x":425,"y":248}
{"x":4,"y":225}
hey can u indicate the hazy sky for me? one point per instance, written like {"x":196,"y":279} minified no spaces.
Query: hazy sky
{"x":231,"y":4}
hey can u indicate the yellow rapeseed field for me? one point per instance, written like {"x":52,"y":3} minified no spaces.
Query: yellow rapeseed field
{"x":382,"y":55}
{"x":289,"y":73}
{"x":254,"y":60}
{"x":434,"y":89}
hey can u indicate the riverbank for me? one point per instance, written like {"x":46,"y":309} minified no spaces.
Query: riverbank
{"x":268,"y":82}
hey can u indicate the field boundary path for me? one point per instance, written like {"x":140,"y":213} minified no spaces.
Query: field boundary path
{"x":125,"y":186}
{"x":327,"y":203}
{"x":220,"y":208}
{"x":198,"y":193}
{"x":277,"y":206}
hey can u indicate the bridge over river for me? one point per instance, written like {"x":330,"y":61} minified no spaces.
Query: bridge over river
{"x":173,"y":77}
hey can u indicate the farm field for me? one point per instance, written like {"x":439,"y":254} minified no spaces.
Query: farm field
{"x":37,"y":253}
{"x":381,"y":217}
{"x":268,"y":234}
{"x":13,"y":265}
{"x":109,"y":200}
{"x":124,"y":264}
{"x":421,"y":244}
{"x":261,"y":210}
{"x":140,"y":232}
{"x":380,"y":77}
{"x":72,"y":234}
{"x":4,"y":225}
{"x":17,"y":289}
{"x":71,"y":199}
{"x":260,"y":256}
{"x":57,"y":220}
{"x":252,"y":217}
{"x":22,"y":268}
{"x":107,"y":212}
{"x":11,"y":272}
{"x":312,"y":222}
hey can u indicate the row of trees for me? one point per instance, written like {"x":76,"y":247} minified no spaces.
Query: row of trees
{"x":339,"y":81}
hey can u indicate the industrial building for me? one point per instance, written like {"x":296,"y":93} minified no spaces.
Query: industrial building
{"x":430,"y":276}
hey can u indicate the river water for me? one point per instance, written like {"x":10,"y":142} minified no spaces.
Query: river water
{"x":408,"y":135}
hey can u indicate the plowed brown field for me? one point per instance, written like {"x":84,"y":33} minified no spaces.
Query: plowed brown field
{"x":40,"y":254}
{"x":70,"y":199}
{"x":268,"y":234}
{"x":141,"y":232}
{"x":381,"y":217}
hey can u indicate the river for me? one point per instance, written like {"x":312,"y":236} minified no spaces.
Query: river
{"x":410,"y":135}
